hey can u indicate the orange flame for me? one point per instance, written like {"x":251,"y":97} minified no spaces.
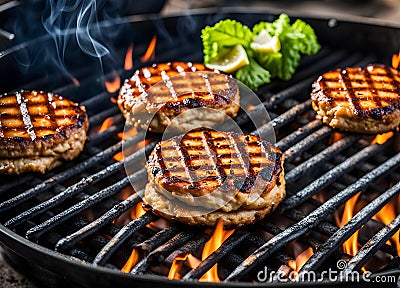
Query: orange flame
{"x":113,"y":85}
{"x":178,"y":262}
{"x":135,"y":213}
{"x":176,"y":266}
{"x":396,"y":61}
{"x":132,"y":261}
{"x":128,"y":134}
{"x":387,"y":215}
{"x":301,"y":259}
{"x":336,"y":136}
{"x":216,"y":240}
{"x":351,"y":245}
{"x":106,"y":124}
{"x":128,"y":65}
{"x":150,"y":52}
{"x":382,"y":138}
{"x":219,"y":236}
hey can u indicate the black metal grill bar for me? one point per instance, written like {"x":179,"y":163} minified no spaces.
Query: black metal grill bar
{"x":307,"y":142}
{"x":158,"y":255}
{"x":97,"y":224}
{"x":158,"y":239}
{"x":372,"y":246}
{"x":17,"y":182}
{"x":75,"y":189}
{"x":312,"y":220}
{"x":282,"y":119}
{"x":189,"y":247}
{"x":237,"y":237}
{"x":337,"y":239}
{"x":326,"y":228}
{"x":329,"y":177}
{"x":321,"y":157}
{"x":298,"y":135}
{"x":71,"y":172}
{"x":83,"y":205}
{"x":97,"y":119}
{"x":123,"y":234}
{"x":79,"y":207}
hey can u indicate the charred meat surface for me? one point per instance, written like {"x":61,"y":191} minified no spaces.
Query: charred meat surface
{"x":363,"y":100}
{"x":205,"y":175}
{"x":163,"y":91}
{"x":39,"y":130}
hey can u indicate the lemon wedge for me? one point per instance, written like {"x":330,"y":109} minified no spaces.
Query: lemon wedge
{"x":230,"y":60}
{"x":263,"y":42}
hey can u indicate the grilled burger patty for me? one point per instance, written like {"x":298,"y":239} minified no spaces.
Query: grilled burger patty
{"x":205,"y":175}
{"x":363,"y":100}
{"x":39,"y":130}
{"x":169,"y":89}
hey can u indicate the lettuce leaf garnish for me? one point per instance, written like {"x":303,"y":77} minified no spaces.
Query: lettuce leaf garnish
{"x":295,"y":39}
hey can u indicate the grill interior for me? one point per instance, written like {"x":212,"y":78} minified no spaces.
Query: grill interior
{"x":83,"y":209}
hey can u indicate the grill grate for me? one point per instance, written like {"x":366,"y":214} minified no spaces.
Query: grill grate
{"x":73,"y":210}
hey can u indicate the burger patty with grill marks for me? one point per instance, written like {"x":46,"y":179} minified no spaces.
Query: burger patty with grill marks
{"x":363,"y":100}
{"x":205,"y":175}
{"x":154,"y":96}
{"x":39,"y":130}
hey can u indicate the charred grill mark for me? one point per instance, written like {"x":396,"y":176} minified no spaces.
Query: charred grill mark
{"x":351,"y":94}
{"x":181,"y":149}
{"x":393,"y":81}
{"x":375,"y":94}
{"x":248,"y":168}
{"x":196,"y":102}
{"x":210,"y":167}
{"x":160,"y":161}
{"x":25,"y":115}
{"x":50,"y":107}
{"x":217,"y":161}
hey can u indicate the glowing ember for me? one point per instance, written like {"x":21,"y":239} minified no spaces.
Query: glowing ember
{"x":150,"y":52}
{"x":216,"y":240}
{"x":113,"y":85}
{"x":301,"y":259}
{"x":106,"y":124}
{"x":387,"y":215}
{"x":382,"y":138}
{"x":351,"y":245}
{"x":128,"y":65}
{"x":396,"y":61}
